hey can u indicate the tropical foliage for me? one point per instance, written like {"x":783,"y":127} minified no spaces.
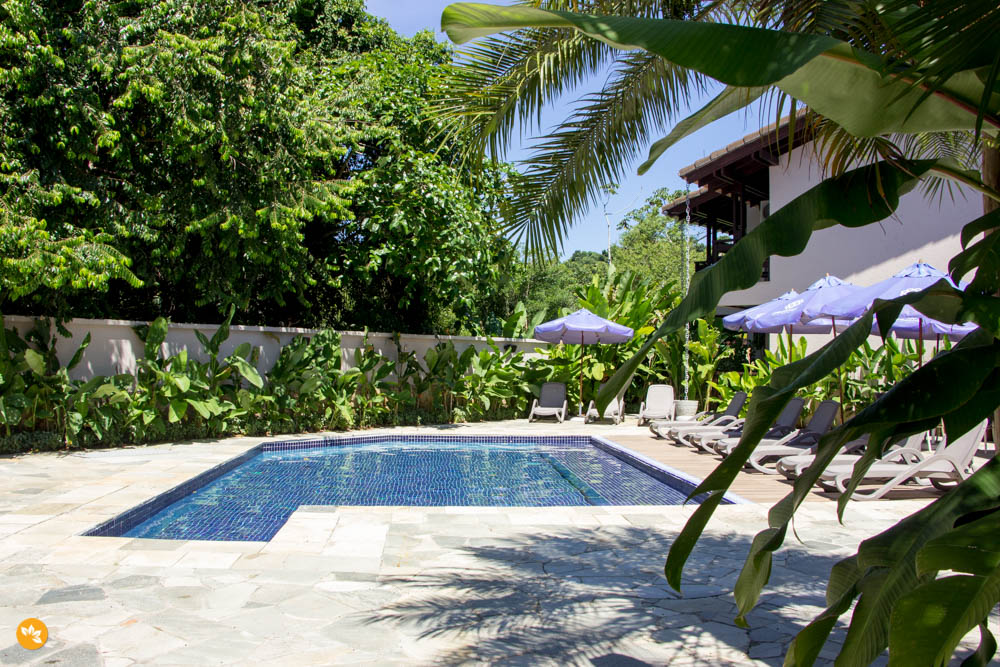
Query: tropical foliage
{"x":507,"y":78}
{"x":313,"y":386}
{"x":878,"y":72}
{"x":176,"y":157}
{"x":650,"y":246}
{"x":869,"y":372}
{"x":203,"y":394}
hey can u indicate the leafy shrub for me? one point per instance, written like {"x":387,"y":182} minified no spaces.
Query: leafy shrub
{"x":178,"y":396}
{"x":868,"y":373}
{"x":30,"y":441}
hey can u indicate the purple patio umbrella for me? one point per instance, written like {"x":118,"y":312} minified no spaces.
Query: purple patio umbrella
{"x":738,"y":321}
{"x":583,"y":328}
{"x":914,"y":278}
{"x":774,"y":312}
{"x":829,"y":289}
{"x":914,"y":325}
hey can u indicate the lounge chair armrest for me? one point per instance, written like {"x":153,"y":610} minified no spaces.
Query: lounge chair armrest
{"x":801,"y":438}
{"x":807,"y":438}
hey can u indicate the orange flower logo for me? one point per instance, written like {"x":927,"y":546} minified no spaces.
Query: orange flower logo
{"x":32,"y":634}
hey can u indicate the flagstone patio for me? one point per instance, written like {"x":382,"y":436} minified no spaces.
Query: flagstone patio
{"x":394,"y":585}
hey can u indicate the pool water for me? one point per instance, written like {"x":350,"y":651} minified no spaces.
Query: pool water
{"x":253,"y":499}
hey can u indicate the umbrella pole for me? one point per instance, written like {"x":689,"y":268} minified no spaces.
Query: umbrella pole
{"x":581,"y":373}
{"x":840,"y":374}
{"x":790,"y":341}
{"x":920,"y":343}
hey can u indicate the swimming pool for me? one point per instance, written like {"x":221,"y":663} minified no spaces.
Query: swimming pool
{"x":252,"y":496}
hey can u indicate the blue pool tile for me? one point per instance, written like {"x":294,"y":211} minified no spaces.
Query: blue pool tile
{"x":252,"y":496}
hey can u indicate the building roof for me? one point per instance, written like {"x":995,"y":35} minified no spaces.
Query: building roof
{"x":740,"y":167}
{"x":703,"y":203}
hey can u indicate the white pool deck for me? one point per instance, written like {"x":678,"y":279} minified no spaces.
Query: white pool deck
{"x":396,"y":585}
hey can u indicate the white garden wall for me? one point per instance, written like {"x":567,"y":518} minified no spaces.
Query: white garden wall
{"x":114,"y":346}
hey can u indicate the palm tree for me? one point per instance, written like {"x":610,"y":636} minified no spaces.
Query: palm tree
{"x":501,"y":84}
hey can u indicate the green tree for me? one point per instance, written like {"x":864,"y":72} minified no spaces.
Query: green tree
{"x":40,"y":115}
{"x":651,"y":244}
{"x":551,"y":286}
{"x":272,"y":156}
{"x":888,"y":80}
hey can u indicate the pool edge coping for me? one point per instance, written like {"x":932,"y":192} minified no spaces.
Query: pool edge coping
{"x":161,"y":500}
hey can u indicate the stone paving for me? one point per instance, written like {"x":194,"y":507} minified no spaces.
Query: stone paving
{"x":392,"y":585}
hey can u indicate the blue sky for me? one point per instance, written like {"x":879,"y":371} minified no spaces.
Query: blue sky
{"x":591,"y":231}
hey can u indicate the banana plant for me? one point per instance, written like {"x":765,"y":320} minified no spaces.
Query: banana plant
{"x":97,"y":406}
{"x":706,"y":354}
{"x":519,"y":324}
{"x":166,"y":386}
{"x":400,"y":387}
{"x":50,"y":389}
{"x":628,"y":299}
{"x":494,"y":381}
{"x":371,"y":370}
{"x":215,"y":374}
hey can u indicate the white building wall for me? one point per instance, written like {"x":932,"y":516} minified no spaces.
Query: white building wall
{"x":923,"y":229}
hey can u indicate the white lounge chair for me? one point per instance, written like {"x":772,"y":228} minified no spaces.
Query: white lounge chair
{"x":793,"y":466}
{"x":659,"y":403}
{"x":702,"y":418}
{"x":949,"y":465}
{"x":783,"y":425}
{"x":728,"y":418}
{"x":615,"y":409}
{"x":551,"y":402}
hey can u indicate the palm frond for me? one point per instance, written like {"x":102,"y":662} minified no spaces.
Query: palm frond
{"x":597,"y":144}
{"x":501,"y":84}
{"x":943,"y":37}
{"x":504,"y":82}
{"x":838,"y":151}
{"x":844,"y":19}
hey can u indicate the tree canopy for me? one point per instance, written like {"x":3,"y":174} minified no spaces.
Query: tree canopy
{"x":181,"y":156}
{"x":650,"y":246}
